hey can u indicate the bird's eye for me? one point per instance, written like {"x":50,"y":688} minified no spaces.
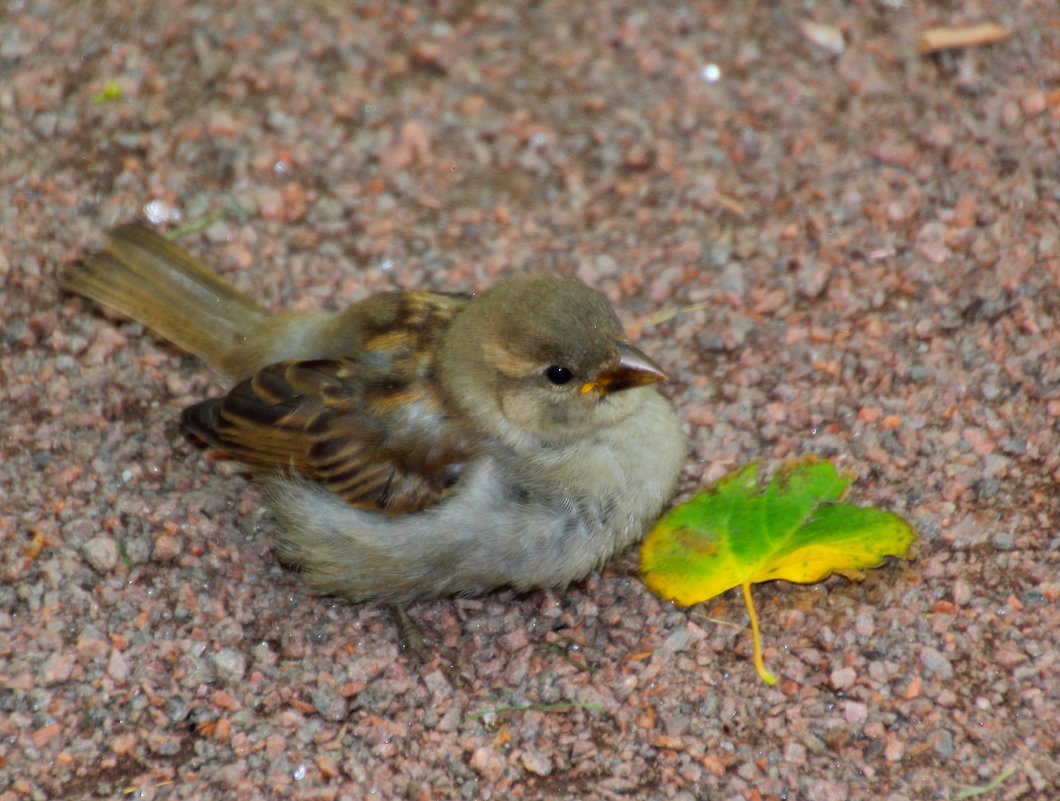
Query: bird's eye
{"x":558,"y":374}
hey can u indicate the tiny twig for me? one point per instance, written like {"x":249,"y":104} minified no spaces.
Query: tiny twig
{"x":717,"y":621}
{"x":993,"y":784}
{"x":533,"y":708}
{"x":205,"y":221}
{"x":552,"y":647}
{"x":668,"y":314}
{"x":138,"y":789}
{"x":935,"y":39}
{"x":193,"y":226}
{"x":123,"y":554}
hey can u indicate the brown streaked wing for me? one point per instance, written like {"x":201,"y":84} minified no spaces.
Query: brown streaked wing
{"x":335,"y":422}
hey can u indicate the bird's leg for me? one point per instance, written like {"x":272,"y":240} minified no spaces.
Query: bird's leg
{"x":423,"y":650}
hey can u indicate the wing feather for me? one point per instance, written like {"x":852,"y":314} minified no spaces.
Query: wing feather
{"x":371,"y":426}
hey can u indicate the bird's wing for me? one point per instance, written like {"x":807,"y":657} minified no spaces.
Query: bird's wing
{"x":371,"y":427}
{"x":386,"y":447}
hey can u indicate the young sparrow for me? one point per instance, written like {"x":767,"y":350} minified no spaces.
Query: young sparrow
{"x":418,"y":443}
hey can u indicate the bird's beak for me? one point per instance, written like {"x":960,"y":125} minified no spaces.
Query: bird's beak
{"x":634,"y":369}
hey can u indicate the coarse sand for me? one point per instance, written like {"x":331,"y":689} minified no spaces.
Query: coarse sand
{"x":835,"y":245}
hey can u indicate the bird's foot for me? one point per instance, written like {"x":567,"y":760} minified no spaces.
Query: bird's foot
{"x":424,"y":650}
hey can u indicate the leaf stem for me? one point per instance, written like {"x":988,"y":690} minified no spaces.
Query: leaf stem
{"x":760,"y":665}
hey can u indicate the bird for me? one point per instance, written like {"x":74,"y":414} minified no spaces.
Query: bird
{"x":417,"y":444}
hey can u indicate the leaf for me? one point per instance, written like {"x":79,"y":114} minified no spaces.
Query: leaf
{"x":794,"y":529}
{"x":111,"y":91}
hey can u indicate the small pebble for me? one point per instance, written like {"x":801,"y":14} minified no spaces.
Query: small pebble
{"x":938,"y":664}
{"x":942,"y":742}
{"x":117,"y":666}
{"x":230,"y":663}
{"x":537,"y":763}
{"x":843,"y":678}
{"x":102,"y":553}
{"x":57,"y":668}
{"x":329,"y":704}
{"x":1003,"y":541}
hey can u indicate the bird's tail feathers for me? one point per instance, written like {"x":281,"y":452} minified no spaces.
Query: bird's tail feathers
{"x":144,"y":276}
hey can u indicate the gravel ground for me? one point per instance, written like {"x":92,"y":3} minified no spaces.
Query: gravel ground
{"x":835,"y":244}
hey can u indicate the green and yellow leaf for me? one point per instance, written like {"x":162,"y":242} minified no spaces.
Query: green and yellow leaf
{"x":795,"y":528}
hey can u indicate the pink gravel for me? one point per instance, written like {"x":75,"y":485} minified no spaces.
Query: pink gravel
{"x":834,"y":244}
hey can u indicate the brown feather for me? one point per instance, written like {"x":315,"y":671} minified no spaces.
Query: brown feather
{"x":370,"y":427}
